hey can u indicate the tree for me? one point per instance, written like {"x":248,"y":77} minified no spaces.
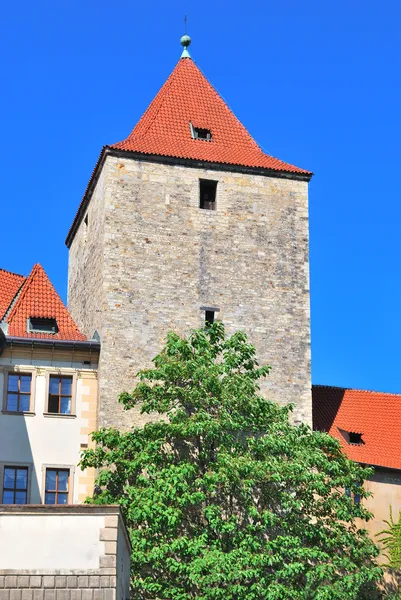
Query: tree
{"x":390,"y":537}
{"x":223,"y":496}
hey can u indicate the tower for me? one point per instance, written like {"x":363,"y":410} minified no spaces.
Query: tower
{"x":188,"y":219}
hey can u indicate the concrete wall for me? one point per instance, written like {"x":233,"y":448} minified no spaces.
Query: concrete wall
{"x":63,"y":553}
{"x":37,"y":439}
{"x":151,"y":258}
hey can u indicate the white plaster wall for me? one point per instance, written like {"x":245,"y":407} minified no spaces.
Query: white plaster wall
{"x":39,"y":439}
{"x":49,"y":542}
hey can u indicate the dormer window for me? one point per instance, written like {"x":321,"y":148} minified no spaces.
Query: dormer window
{"x":42,"y":325}
{"x":351,"y":437}
{"x":355,"y":438}
{"x":200,"y":134}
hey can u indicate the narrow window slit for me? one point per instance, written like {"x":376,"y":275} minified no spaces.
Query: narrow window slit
{"x":207,"y":194}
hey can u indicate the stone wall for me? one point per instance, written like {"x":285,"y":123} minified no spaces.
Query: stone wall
{"x":57,"y":587}
{"x":54,"y":552}
{"x":151,"y":258}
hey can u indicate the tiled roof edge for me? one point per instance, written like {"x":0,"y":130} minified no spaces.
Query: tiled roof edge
{"x":338,"y":387}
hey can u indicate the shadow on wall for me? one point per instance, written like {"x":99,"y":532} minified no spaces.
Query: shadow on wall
{"x":391,"y":584}
{"x":326,"y":402}
{"x":18,"y":478}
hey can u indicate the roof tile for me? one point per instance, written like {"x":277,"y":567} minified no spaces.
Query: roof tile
{"x":376,"y":415}
{"x":38,"y":298}
{"x":187,"y":97}
{"x":10,"y":283}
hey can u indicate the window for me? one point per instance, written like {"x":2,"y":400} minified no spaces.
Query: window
{"x":356,"y":496}
{"x":42,"y":325}
{"x":207,"y":194}
{"x":210,"y":314}
{"x":19,"y":392}
{"x":60,"y":394}
{"x":15,"y":485}
{"x":209,"y":317}
{"x":200,"y":134}
{"x":351,"y":437}
{"x":57,"y":486}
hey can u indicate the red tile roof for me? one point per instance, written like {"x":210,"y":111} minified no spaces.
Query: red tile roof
{"x":37,"y":298}
{"x":187,"y":97}
{"x":376,"y":415}
{"x":164,"y":130}
{"x":10,"y":283}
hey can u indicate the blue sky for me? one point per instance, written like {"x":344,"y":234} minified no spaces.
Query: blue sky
{"x":316,"y":83}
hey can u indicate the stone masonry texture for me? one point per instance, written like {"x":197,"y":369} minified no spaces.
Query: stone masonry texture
{"x":57,"y":587}
{"x":150,"y":258}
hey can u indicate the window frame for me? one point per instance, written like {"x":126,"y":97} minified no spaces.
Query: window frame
{"x":195,"y":133}
{"x":209,"y":309}
{"x":61,"y":373}
{"x":31,"y":329}
{"x":71,"y":469}
{"x":13,"y":464}
{"x":19,"y":370}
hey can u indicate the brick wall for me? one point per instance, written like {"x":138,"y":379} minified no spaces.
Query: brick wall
{"x":151,"y":258}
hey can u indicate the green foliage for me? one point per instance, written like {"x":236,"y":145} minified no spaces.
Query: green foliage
{"x":224,"y":498}
{"x":390,"y":538}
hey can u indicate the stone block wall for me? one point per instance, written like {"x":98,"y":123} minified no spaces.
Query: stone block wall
{"x":150,"y":258}
{"x":57,"y":587}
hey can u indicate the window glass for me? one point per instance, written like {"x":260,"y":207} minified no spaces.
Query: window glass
{"x":63,"y":481}
{"x":19,"y":392}
{"x":12,"y":402}
{"x":8,"y":497}
{"x":24,"y":403}
{"x":21,"y":479}
{"x":13,"y":383}
{"x":51,"y":478}
{"x":54,"y":385}
{"x":53,"y":404}
{"x":15,"y":485}
{"x":66,"y":384}
{"x":25,"y":383}
{"x":20,"y":498}
{"x":9,"y":477}
{"x":60,"y":394}
{"x":65,"y":406}
{"x":57,"y":486}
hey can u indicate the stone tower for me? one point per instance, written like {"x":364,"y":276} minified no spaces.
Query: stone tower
{"x":186,"y":220}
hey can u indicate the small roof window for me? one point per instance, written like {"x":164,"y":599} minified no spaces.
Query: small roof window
{"x":42,"y":325}
{"x":355,"y":438}
{"x":351,"y":437}
{"x":200,"y":134}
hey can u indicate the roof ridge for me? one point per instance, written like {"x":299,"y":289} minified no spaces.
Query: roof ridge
{"x":164,"y":88}
{"x":12,"y":273}
{"x":337,"y":387}
{"x":227,"y":107}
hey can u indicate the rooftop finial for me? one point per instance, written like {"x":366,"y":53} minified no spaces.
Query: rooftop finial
{"x":185,"y":41}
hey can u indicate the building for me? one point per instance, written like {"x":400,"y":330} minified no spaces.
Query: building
{"x":367,"y":425}
{"x":185,"y":221}
{"x":64,"y":553}
{"x":48,"y":394}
